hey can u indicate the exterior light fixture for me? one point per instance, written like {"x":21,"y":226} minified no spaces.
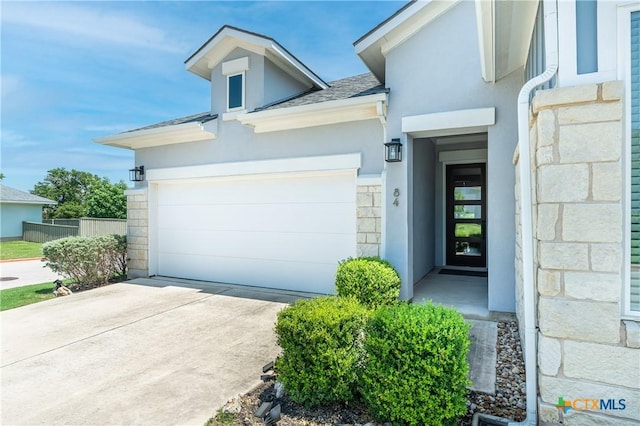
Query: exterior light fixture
{"x":393,"y":151}
{"x":136,"y":174}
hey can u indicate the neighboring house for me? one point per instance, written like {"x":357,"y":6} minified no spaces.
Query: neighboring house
{"x":286,"y":175}
{"x":17,"y":206}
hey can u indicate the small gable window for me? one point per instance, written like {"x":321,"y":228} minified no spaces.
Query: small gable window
{"x":235,"y":91}
{"x":236,"y":72}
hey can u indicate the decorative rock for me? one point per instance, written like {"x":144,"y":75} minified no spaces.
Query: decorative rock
{"x":279,"y":388}
{"x":233,"y":405}
{"x":60,"y":289}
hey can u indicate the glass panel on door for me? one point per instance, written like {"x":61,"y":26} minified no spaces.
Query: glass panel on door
{"x":466,"y":215}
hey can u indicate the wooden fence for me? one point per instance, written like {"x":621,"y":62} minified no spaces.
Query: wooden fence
{"x":92,"y":226}
{"x":43,"y":232}
{"x":86,"y":227}
{"x":67,"y":222}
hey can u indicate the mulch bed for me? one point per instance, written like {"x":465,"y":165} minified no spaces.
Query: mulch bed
{"x":77,"y":288}
{"x":508,"y":401}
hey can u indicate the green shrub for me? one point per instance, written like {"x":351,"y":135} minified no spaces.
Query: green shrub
{"x":371,"y":280}
{"x":87,"y":261}
{"x":322,"y":349}
{"x":415,"y":371}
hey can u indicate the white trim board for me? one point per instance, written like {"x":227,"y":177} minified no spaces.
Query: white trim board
{"x":243,"y":168}
{"x":323,"y":113}
{"x":364,"y":180}
{"x":449,"y":123}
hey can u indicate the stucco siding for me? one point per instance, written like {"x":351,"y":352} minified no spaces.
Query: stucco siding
{"x":278,"y":85}
{"x":12,"y":216}
{"x":239,"y":143}
{"x":254,"y":82}
{"x":438,"y":70}
{"x":424,"y":158}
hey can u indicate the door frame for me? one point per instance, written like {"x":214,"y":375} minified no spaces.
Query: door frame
{"x":470,"y":156}
{"x":450,"y":239}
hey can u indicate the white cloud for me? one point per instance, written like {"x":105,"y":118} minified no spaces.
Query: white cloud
{"x":90,"y":24}
{"x":11,"y":139}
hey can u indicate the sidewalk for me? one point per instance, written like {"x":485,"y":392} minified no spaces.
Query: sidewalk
{"x":25,"y":272}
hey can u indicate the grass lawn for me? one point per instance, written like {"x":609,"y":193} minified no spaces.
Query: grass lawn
{"x":19,"y":250}
{"x":20,"y":296}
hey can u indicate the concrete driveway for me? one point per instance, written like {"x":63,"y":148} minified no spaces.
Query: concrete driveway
{"x":147,"y":351}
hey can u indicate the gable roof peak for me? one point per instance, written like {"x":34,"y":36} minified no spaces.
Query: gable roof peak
{"x":228,"y":38}
{"x":393,"y":31}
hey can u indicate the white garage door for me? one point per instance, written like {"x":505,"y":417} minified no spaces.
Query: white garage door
{"x":277,"y":232}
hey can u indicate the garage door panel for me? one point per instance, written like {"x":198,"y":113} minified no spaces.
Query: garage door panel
{"x":334,"y":188}
{"x":281,"y":232}
{"x":320,"y":217}
{"x":311,"y":277}
{"x":309,"y":247}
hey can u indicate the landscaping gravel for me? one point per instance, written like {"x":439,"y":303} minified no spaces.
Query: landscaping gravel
{"x":509,"y":400}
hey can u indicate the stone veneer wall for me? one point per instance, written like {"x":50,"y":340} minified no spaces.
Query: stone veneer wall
{"x":585,"y":349}
{"x":369,"y":220}
{"x":137,"y":233}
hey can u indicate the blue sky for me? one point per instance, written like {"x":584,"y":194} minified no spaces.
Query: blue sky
{"x":71,"y":71}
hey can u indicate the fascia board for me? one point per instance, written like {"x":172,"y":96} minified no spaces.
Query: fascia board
{"x":412,"y":24}
{"x":330,"y":112}
{"x":288,"y":58}
{"x":380,"y":33}
{"x":179,"y":133}
{"x":443,"y":123}
{"x":373,"y":48}
{"x":486,"y":38}
{"x":202,"y":62}
{"x":36,"y":203}
{"x":248,"y":168}
{"x":203,"y":53}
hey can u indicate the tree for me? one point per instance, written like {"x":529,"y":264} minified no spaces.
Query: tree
{"x":107,"y":199}
{"x":2,"y":176}
{"x":68,"y":188}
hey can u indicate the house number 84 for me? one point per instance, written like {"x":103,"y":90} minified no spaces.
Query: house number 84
{"x":396,"y":194}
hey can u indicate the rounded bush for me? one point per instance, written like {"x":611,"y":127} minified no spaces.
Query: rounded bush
{"x":87,"y":261}
{"x":322,"y":349}
{"x":416,"y":370}
{"x":371,"y":280}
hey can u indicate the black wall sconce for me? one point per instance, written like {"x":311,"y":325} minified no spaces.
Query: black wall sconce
{"x":393,"y":151}
{"x":136,"y":174}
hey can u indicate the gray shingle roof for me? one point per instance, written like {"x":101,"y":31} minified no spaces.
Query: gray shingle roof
{"x":12,"y":195}
{"x":202,"y":117}
{"x":350,"y":87}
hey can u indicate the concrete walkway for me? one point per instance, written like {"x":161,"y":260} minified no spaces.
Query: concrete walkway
{"x":140,"y":352}
{"x":482,"y":356}
{"x":17,"y":273}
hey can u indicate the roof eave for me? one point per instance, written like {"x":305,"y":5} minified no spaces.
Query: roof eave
{"x":373,"y":47}
{"x":504,"y":35}
{"x":166,"y":135}
{"x":204,"y":59}
{"x":318,"y":114}
{"x":37,"y":203}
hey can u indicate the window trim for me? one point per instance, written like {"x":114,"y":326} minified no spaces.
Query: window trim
{"x":567,"y":44}
{"x":624,"y":74}
{"x":242,"y":95}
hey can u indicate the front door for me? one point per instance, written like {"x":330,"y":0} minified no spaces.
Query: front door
{"x":466,"y":215}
